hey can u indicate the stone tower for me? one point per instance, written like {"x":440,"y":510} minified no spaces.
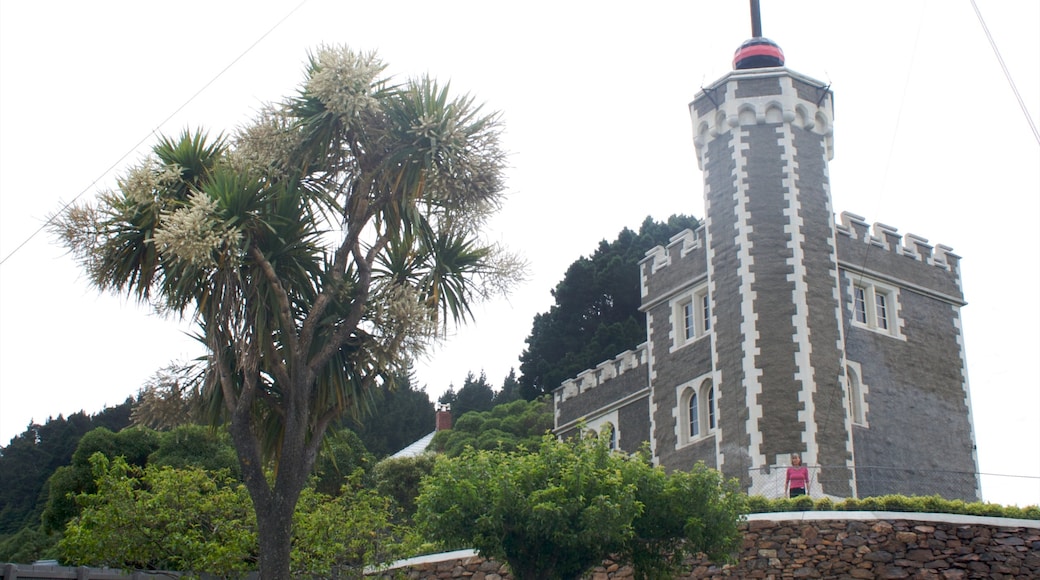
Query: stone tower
{"x":774,"y":329}
{"x":763,"y":141}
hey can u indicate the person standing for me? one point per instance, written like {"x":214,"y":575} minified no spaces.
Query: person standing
{"x":797,"y":477}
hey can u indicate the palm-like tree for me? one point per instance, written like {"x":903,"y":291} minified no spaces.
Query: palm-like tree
{"x":318,"y":249}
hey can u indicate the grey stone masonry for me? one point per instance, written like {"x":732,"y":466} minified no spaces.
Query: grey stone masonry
{"x":856,"y":545}
{"x":785,"y":330}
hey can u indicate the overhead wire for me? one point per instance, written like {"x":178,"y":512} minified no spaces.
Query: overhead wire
{"x":151,"y":133}
{"x":1007,"y":73}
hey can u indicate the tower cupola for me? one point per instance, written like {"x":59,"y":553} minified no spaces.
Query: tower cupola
{"x":758,"y":52}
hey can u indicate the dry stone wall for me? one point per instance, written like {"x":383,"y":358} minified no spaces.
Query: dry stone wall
{"x":856,"y":545}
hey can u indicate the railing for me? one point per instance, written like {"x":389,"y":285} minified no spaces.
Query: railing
{"x":870,"y":481}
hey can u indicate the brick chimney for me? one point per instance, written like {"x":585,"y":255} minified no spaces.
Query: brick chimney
{"x":443,"y":417}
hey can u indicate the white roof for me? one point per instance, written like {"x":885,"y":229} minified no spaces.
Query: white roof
{"x":417,"y":448}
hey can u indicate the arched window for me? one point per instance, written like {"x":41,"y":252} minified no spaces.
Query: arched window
{"x":711,"y":405}
{"x":696,"y":412}
{"x":855,"y":396}
{"x":693,"y":412}
{"x":610,"y":433}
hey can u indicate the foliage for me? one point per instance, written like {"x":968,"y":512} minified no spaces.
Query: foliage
{"x":399,"y":415}
{"x":343,"y":456}
{"x":893,"y":503}
{"x":348,"y":532}
{"x":32,"y":456}
{"x":475,"y":395}
{"x":684,"y":513}
{"x":192,"y":519}
{"x":508,"y":427}
{"x":318,"y":249}
{"x":556,"y":513}
{"x":195,"y":446}
{"x":510,"y":389}
{"x":133,"y":445}
{"x":596,"y":312}
{"x":171,"y":397}
{"x":398,"y":478}
{"x":161,"y":518}
{"x":29,"y":544}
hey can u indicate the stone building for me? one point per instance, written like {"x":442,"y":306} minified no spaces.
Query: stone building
{"x":776,"y":329}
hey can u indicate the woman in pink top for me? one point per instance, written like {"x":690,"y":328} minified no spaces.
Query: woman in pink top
{"x":797,"y":477}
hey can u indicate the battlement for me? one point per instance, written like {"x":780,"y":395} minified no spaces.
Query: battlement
{"x":604,"y":371}
{"x":682,"y":243}
{"x":887,"y":238}
{"x":756,"y":96}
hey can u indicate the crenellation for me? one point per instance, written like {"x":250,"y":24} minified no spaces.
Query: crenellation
{"x":887,"y":237}
{"x":604,"y":371}
{"x":945,"y":258}
{"x":789,"y":327}
{"x":918,"y":248}
{"x":688,"y":240}
{"x":656,"y":257}
{"x":855,"y":224}
{"x":682,"y":244}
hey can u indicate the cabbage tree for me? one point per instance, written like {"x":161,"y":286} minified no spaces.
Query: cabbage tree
{"x":318,"y":249}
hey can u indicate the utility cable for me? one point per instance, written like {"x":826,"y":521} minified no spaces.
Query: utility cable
{"x":1007,"y":73}
{"x":122,"y":158}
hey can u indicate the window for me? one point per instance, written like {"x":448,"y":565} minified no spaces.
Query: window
{"x":691,"y":316}
{"x":695,"y":416}
{"x":861,"y":304}
{"x":606,"y":427}
{"x":711,"y":406}
{"x":689,"y":326}
{"x":881,"y":310}
{"x":857,"y":403}
{"x":875,"y":306}
{"x":696,"y":411}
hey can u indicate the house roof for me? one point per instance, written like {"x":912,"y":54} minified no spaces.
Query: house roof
{"x":417,"y":448}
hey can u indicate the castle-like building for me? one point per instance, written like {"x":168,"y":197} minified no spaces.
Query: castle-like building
{"x":775,"y":329}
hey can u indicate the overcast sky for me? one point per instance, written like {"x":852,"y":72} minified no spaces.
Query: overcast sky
{"x":929,"y":138}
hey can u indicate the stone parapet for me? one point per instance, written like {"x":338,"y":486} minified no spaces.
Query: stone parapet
{"x":831,"y":545}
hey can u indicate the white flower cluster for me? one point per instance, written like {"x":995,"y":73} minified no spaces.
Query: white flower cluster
{"x":195,"y":232}
{"x":145,"y":181}
{"x":344,"y":80}
{"x":404,"y":322}
{"x":265,"y":146}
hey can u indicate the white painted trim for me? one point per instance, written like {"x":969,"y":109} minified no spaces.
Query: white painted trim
{"x":874,"y":287}
{"x":748,"y":296}
{"x":904,"y":516}
{"x":794,"y":228}
{"x":967,"y":398}
{"x":863,"y":390}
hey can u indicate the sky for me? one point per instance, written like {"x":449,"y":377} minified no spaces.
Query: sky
{"x":929,"y":138}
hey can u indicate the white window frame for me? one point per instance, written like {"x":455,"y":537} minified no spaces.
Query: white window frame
{"x":857,"y":393}
{"x":874,"y":305}
{"x":599,"y":425}
{"x":691,"y":316}
{"x":701,"y":389}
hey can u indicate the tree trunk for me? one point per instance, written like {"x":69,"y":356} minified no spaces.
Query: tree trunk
{"x":274,"y":531}
{"x":273,"y":502}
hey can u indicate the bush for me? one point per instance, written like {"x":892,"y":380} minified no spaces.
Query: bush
{"x":892,"y":503}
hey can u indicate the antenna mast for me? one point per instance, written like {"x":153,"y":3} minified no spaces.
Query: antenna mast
{"x":756,"y":20}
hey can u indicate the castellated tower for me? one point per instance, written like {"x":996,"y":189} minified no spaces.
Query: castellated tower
{"x":774,"y":329}
{"x":763,"y":140}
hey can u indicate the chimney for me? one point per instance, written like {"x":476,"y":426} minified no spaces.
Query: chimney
{"x":443,"y":417}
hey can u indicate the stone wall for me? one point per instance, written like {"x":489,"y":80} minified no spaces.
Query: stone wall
{"x":827,"y":545}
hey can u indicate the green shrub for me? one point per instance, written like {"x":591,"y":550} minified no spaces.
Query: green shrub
{"x":892,"y":503}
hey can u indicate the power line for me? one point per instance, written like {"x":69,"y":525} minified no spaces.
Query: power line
{"x":1007,"y":73}
{"x":151,"y":133}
